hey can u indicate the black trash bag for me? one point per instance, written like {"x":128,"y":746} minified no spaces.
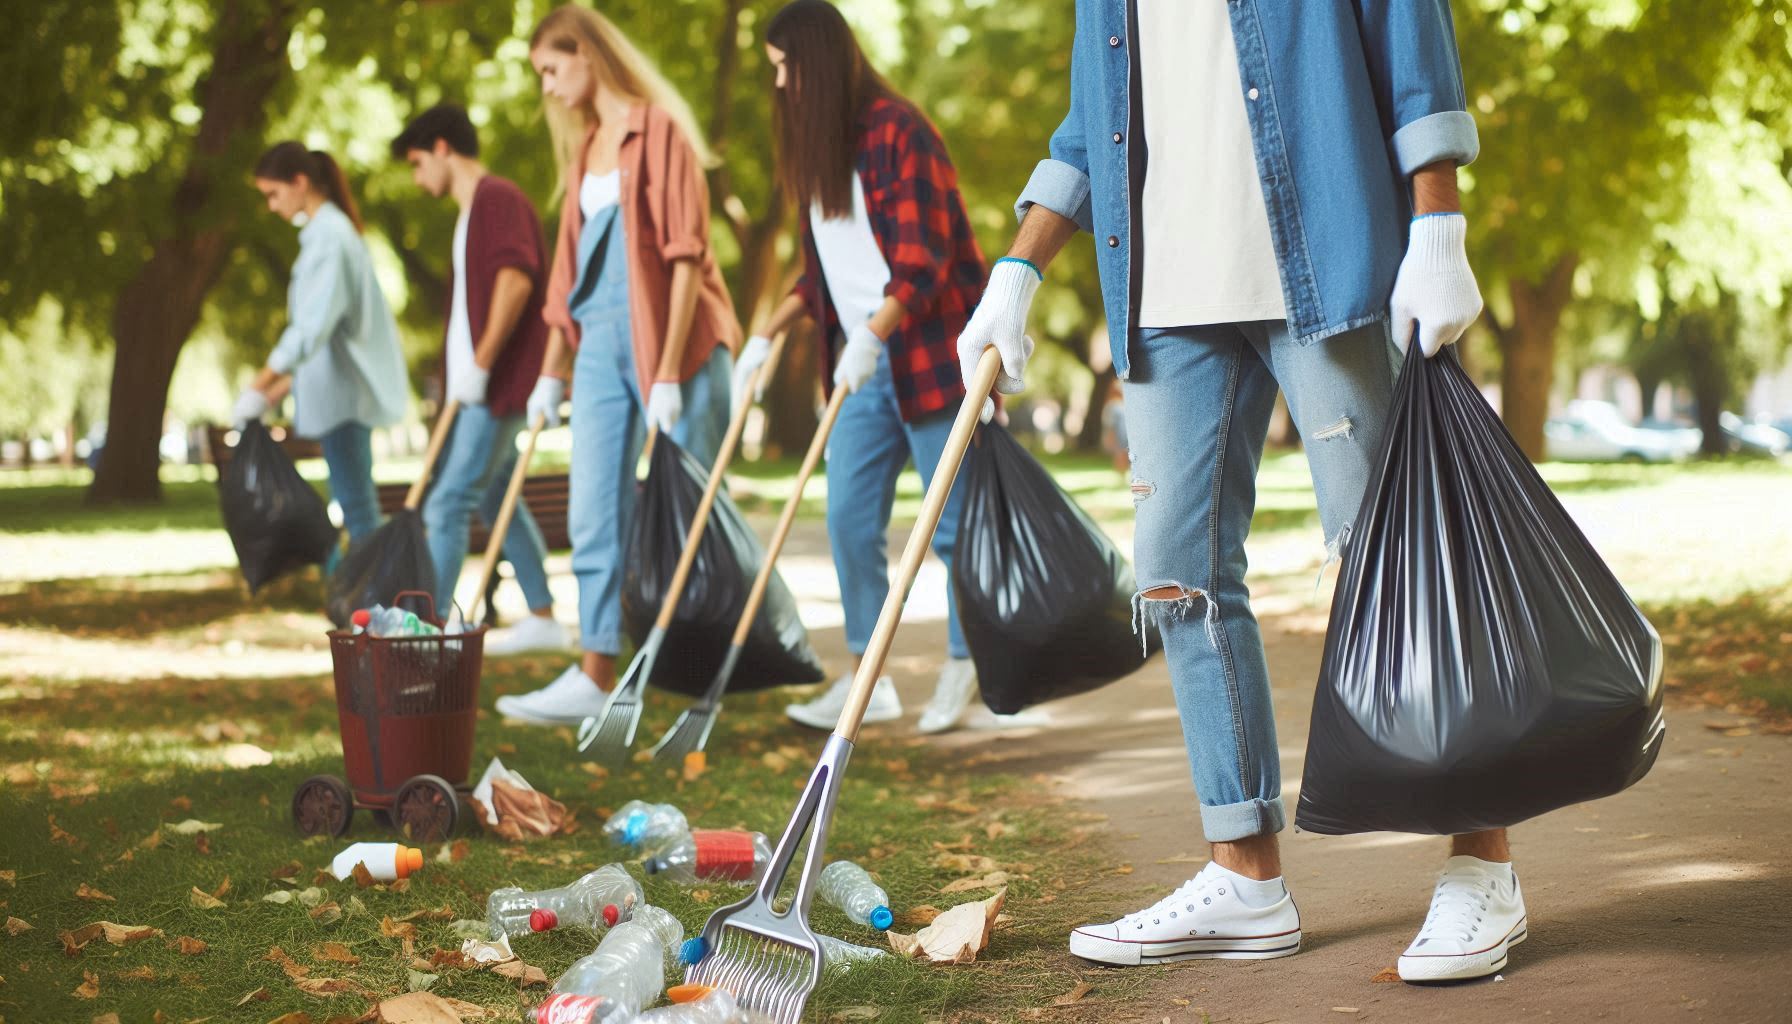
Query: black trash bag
{"x":1044,"y":598}
{"x":276,"y":522}
{"x":777,"y":650}
{"x":1482,"y":665}
{"x":395,"y":558}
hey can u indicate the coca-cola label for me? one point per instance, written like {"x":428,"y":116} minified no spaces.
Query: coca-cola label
{"x":571,"y":1009}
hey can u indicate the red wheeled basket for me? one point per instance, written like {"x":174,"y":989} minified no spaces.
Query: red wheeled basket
{"x":407,"y":707}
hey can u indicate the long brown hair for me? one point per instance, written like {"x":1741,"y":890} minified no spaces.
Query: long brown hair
{"x":828,"y":84}
{"x":619,"y":66}
{"x":287,"y":160}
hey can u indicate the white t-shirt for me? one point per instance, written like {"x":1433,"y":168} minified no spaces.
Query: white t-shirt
{"x":460,"y":325}
{"x":597,"y":191}
{"x":850,"y":260}
{"x":1208,"y":257}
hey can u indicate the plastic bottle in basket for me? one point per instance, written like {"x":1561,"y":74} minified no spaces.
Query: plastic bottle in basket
{"x":626,"y":973}
{"x":597,"y":901}
{"x":647,"y":828}
{"x":388,"y":622}
{"x":848,"y":887}
{"x":708,"y":855}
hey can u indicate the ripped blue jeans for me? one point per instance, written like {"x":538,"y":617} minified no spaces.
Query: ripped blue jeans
{"x":1198,"y":405}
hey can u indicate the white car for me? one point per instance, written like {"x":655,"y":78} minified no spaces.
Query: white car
{"x":1597,"y":432}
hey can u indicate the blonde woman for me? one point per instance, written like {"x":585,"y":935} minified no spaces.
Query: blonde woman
{"x":641,"y":323}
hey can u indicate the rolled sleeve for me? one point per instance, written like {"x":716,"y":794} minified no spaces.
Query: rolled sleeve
{"x":684,"y":217}
{"x":1061,"y":188}
{"x":1446,"y":135}
{"x":1410,"y":46}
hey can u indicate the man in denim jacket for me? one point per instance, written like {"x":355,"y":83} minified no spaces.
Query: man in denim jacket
{"x":1272,"y":191}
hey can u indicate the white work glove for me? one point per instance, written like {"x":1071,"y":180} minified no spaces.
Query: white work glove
{"x":665,"y":404}
{"x":250,"y":405}
{"x":545,"y":399}
{"x":1435,"y":291}
{"x":468,"y":387}
{"x":1000,"y":320}
{"x":858,"y":360}
{"x":752,"y":356}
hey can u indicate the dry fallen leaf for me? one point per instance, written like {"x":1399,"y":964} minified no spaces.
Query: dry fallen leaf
{"x":290,"y":869}
{"x":106,"y":1018}
{"x":695,"y":764}
{"x":321,"y":986}
{"x":480,"y":951}
{"x":260,"y":995}
{"x":526,"y":974}
{"x":124,"y":934}
{"x":89,"y":988}
{"x":417,"y":1008}
{"x":916,"y":917}
{"x":397,"y":929}
{"x":88,"y":892}
{"x":363,"y":877}
{"x":11,"y":878}
{"x":188,"y":945}
{"x":193,"y":825}
{"x":1386,"y":974}
{"x":420,"y":981}
{"x":16,"y":926}
{"x":335,"y":952}
{"x":957,"y":935}
{"x":204,"y":900}
{"x":328,"y":913}
{"x":72,"y":941}
{"x":144,"y":973}
{"x":293,"y":968}
{"x":1075,"y":995}
{"x":993,"y":880}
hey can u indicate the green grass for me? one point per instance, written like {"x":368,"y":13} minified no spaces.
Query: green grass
{"x":1734,"y":654}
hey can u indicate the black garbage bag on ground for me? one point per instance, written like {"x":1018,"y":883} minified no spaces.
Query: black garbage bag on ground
{"x":395,"y":558}
{"x":276,"y":522}
{"x":1482,"y":665}
{"x":1044,"y":598}
{"x":777,"y":650}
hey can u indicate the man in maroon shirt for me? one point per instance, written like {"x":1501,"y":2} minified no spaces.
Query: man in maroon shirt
{"x":494,"y":344}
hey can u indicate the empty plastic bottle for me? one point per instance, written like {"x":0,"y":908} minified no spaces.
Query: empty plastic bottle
{"x":714,"y":856}
{"x":384,"y":622}
{"x":718,"y":1007}
{"x":596,"y":901}
{"x":385,"y":861}
{"x":626,"y":973}
{"x":647,"y":828}
{"x":847,"y":886}
{"x":834,"y":952}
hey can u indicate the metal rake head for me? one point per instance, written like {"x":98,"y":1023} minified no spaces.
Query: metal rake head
{"x":608,"y":736}
{"x":769,"y":974}
{"x":687,"y":735}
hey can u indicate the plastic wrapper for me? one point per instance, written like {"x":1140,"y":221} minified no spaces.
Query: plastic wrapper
{"x":1482,"y":665}
{"x":276,"y":522}
{"x":1044,"y":598}
{"x":777,"y":651}
{"x":395,"y":558}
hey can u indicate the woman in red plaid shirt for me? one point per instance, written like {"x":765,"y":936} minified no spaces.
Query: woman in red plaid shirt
{"x":891,"y":272}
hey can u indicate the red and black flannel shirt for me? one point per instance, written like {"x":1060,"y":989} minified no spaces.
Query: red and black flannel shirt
{"x":936,"y":269}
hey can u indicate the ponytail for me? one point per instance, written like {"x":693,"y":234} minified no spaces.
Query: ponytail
{"x":287,"y":160}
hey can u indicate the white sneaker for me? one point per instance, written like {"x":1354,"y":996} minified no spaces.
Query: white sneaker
{"x":1203,"y":920}
{"x":952,"y":696}
{"x":568,"y":700}
{"x":1477,"y":914}
{"x":824,"y":711}
{"x":532,"y":633}
{"x":983,"y":719}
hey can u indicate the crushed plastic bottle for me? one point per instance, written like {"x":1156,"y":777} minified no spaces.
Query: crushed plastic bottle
{"x":718,"y":1007}
{"x":626,"y":973}
{"x":847,"y":886}
{"x":386,"y":862}
{"x":597,"y":901}
{"x":708,"y":855}
{"x":647,"y":828}
{"x":381,"y":621}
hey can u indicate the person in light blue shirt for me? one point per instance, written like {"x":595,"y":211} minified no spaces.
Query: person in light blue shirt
{"x":1272,"y":192}
{"x":339,"y":354}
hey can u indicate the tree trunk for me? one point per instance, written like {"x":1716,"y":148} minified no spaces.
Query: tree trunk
{"x":1648,"y":385}
{"x":1710,"y":383}
{"x":157,"y":310}
{"x":1089,"y":439}
{"x":1528,"y":348}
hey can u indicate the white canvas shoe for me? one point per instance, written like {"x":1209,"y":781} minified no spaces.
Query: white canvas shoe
{"x":568,"y":700}
{"x":1203,"y":920}
{"x":1477,"y":915}
{"x":952,"y":696}
{"x":531,"y":633}
{"x":824,"y":711}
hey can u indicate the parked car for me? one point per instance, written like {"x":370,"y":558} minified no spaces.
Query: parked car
{"x":1589,"y":431}
{"x":1746,"y":438}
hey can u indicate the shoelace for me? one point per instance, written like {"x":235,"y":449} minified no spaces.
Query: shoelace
{"x":1457,"y":907}
{"x":1174,"y":902}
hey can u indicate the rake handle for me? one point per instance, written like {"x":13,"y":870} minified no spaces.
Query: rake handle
{"x":494,"y":548}
{"x":700,"y":520}
{"x":932,"y":506}
{"x":776,"y":544}
{"x":437,"y":439}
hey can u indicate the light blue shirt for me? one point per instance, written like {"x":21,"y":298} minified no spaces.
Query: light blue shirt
{"x":1345,"y":98}
{"x":340,"y":342}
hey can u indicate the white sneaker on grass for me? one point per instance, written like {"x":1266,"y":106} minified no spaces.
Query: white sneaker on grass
{"x":1206,"y":919}
{"x":532,"y":633}
{"x":1477,"y":915}
{"x":952,"y":696}
{"x":824,"y":711}
{"x":568,"y":700}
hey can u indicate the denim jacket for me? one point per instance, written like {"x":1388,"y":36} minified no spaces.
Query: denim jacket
{"x":1346,"y":99}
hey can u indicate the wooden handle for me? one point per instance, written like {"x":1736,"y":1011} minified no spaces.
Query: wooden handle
{"x":436,"y":441}
{"x":872,"y":664}
{"x":700,"y":519}
{"x":776,"y":544}
{"x":494,"y":548}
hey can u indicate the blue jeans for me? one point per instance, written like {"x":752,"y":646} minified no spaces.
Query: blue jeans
{"x":348,"y":451}
{"x":1199,"y":403}
{"x":866,"y":453}
{"x":474,"y":473}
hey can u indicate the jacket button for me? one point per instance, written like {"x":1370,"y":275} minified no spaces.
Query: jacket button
{"x":1113,"y":40}
{"x":1252,"y":94}
{"x":1113,"y":241}
{"x":1116,"y":136}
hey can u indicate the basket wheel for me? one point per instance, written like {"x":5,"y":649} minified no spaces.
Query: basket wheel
{"x":322,"y":806}
{"x":426,"y":809}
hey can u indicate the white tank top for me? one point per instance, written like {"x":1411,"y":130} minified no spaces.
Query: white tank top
{"x":597,"y":191}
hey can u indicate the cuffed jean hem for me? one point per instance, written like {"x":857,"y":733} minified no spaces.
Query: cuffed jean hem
{"x":607,"y":644}
{"x":1229,"y":823}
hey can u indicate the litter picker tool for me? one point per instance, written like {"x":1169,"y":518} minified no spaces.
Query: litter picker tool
{"x":608,"y":736}
{"x":500,"y":527}
{"x":771,"y":961}
{"x":691,"y":732}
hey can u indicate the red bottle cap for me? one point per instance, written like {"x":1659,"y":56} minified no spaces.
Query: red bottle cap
{"x":541,"y":920}
{"x":611,"y":914}
{"x":361,"y":617}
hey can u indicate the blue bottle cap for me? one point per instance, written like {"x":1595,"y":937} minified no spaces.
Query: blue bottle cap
{"x":633,"y":827}
{"x":693,"y":951}
{"x":882,"y":919}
